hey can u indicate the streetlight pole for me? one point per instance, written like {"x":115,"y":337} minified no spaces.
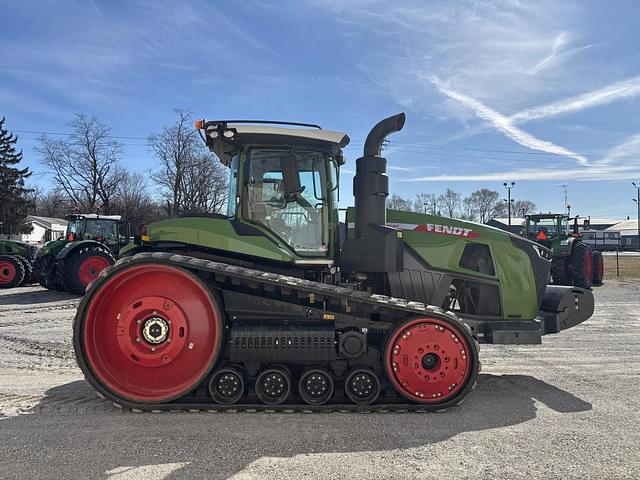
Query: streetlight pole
{"x":637,"y":200}
{"x":509,"y":186}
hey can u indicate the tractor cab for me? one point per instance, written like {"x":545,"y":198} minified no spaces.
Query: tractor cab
{"x":107,"y":229}
{"x":547,"y":229}
{"x":283,"y":181}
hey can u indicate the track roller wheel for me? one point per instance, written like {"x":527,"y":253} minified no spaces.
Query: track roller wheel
{"x":316,"y":386}
{"x":147,"y":333}
{"x":431,"y":360}
{"x":362,"y":386}
{"x":226,"y":386}
{"x":273,"y":385}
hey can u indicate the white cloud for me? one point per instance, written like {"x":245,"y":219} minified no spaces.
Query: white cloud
{"x":505,"y":124}
{"x":591,"y":173}
{"x":628,"y":88}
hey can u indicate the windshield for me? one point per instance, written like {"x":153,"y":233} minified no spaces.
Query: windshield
{"x":93,"y":229}
{"x":545,"y":228}
{"x":300,"y":219}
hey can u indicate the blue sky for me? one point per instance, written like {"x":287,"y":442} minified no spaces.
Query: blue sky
{"x":542,"y":93}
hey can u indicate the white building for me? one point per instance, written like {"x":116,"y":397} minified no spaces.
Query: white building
{"x":628,"y":231}
{"x":44,"y":229}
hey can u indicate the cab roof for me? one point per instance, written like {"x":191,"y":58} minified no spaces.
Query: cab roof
{"x":93,"y":215}
{"x":224,"y":137}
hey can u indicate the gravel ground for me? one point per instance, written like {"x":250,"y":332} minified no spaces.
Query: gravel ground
{"x":569,"y":408}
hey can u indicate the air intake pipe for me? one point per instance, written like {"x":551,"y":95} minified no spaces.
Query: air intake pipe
{"x":371,"y":183}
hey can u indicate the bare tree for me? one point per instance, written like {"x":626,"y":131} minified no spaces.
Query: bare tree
{"x":483,"y":202}
{"x":204,"y":185}
{"x":133,"y":200}
{"x":86,"y":164}
{"x":524,"y":207}
{"x":450,"y":203}
{"x":396,"y":202}
{"x":175,"y":147}
{"x":54,"y":203}
{"x":426,"y":203}
{"x":468,"y":209}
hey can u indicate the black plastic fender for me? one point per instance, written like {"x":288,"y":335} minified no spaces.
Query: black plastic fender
{"x":73,"y":246}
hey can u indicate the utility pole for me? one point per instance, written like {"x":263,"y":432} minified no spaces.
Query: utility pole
{"x":509,"y":186}
{"x":637,"y":200}
{"x":566,"y":205}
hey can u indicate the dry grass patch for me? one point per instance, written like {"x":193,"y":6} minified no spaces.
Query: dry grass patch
{"x":629,"y":266}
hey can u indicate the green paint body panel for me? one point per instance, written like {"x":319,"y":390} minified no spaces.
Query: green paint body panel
{"x":14,"y":247}
{"x":52,"y":247}
{"x":443,"y":251}
{"x":219,"y":234}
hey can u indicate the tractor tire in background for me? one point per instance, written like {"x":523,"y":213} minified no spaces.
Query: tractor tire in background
{"x":81,"y":267}
{"x":581,"y":265}
{"x":598,"y":268}
{"x":28,"y":271}
{"x":43,"y":274}
{"x":12,"y":271}
{"x":559,"y":273}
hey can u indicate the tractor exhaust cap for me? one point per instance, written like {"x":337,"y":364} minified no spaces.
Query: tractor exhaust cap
{"x":384,"y":128}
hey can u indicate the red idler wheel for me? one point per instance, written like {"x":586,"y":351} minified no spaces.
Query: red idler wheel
{"x":90,"y":268}
{"x":429,"y":360}
{"x":7,"y":272}
{"x":150,"y":333}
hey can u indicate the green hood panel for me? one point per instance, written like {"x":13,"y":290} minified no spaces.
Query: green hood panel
{"x":52,"y":247}
{"x":440,"y":242}
{"x":217,"y":233}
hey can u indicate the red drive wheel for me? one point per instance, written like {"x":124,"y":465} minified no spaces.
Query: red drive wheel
{"x":7,"y":272}
{"x":90,"y":268}
{"x":150,"y":333}
{"x":430,"y":360}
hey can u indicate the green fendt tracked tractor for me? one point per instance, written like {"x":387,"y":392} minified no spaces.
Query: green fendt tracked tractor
{"x":16,"y":263}
{"x":271,"y":307}
{"x":90,"y":244}
{"x":574,"y":263}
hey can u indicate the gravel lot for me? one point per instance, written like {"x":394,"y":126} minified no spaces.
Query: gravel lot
{"x":569,"y":408}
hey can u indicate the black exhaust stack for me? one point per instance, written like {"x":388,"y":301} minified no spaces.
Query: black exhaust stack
{"x":376,"y":247}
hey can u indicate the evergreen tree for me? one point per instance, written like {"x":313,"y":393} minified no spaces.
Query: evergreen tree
{"x":14,"y":203}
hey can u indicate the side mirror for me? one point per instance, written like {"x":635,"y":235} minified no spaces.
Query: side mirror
{"x":587,"y":223}
{"x":290,"y":175}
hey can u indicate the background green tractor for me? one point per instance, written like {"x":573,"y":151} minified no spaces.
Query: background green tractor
{"x":90,"y":244}
{"x":16,"y":263}
{"x":574,"y":263}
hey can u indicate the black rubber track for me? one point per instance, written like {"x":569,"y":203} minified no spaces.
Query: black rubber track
{"x":20,"y":270}
{"x":227,"y":274}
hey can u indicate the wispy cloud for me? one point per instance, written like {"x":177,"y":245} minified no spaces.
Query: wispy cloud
{"x":591,"y":173}
{"x":624,"y":89}
{"x":505,"y":124}
{"x":619,"y":163}
{"x":558,"y":54}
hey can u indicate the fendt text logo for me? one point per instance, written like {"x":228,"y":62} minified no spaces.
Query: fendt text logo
{"x":436,"y":228}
